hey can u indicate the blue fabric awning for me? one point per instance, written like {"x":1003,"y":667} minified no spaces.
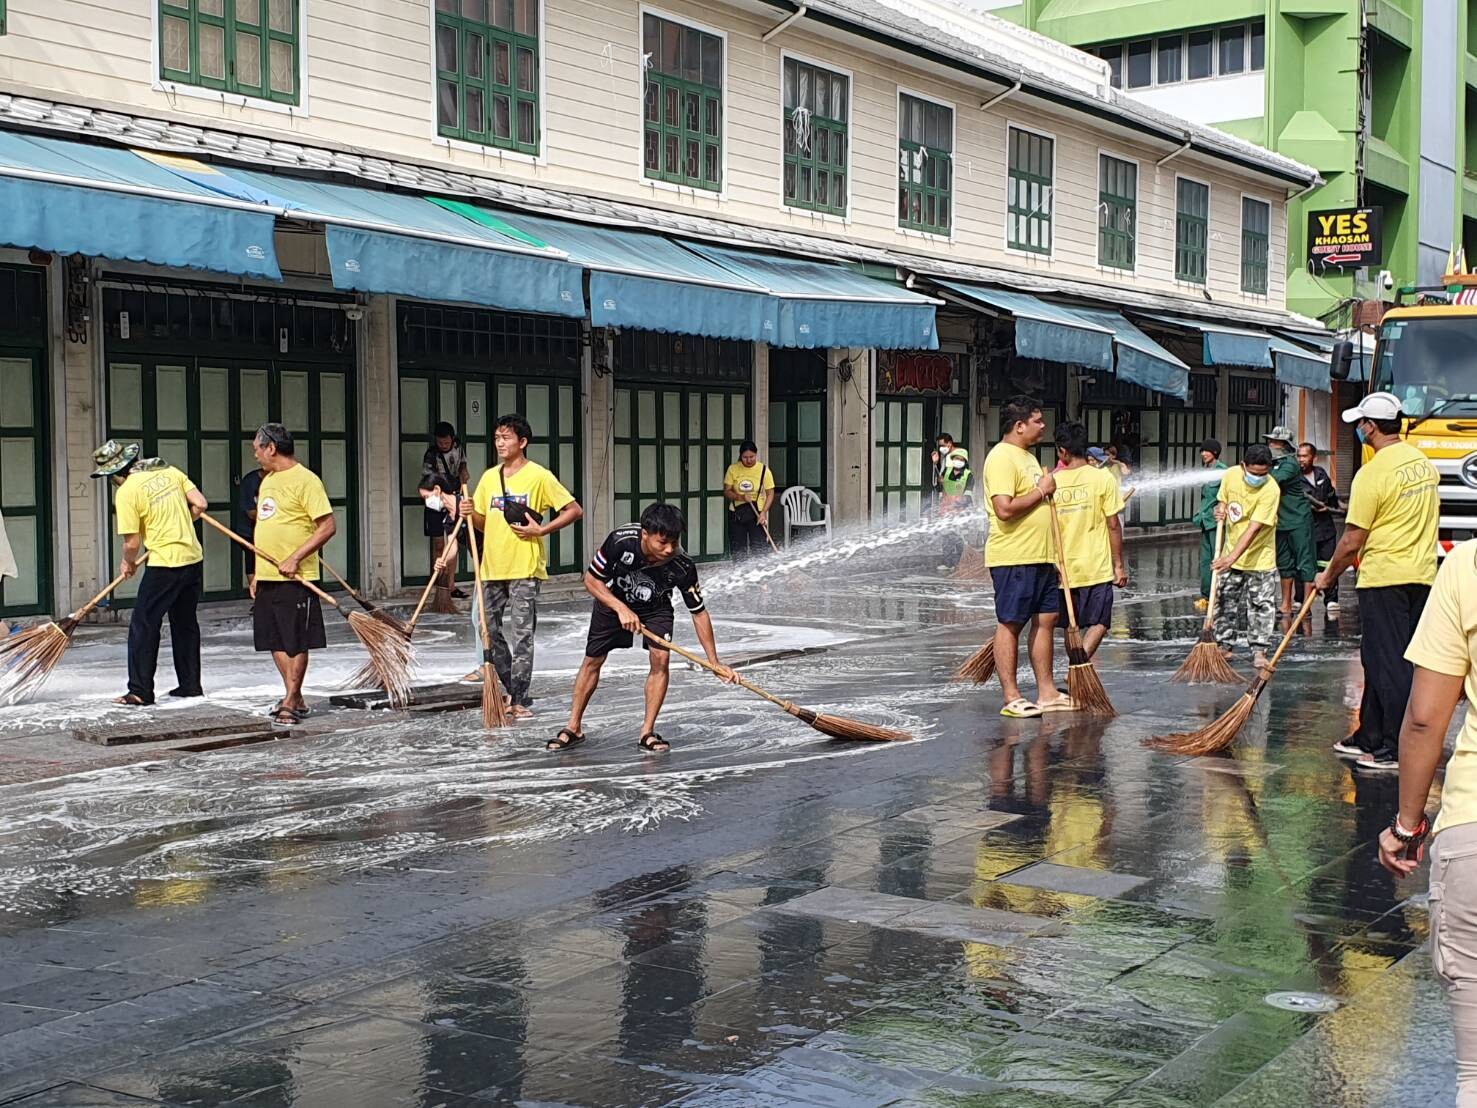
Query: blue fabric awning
{"x":73,"y":198}
{"x":1141,"y":360}
{"x":1223,"y":345}
{"x":1300,"y":367}
{"x":387,"y":242}
{"x":822,"y":305}
{"x":1043,"y":330}
{"x":646,"y":281}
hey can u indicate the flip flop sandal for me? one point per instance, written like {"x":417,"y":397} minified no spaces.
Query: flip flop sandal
{"x":1021,"y":708}
{"x":1061,"y":704}
{"x":302,"y":713}
{"x":130,"y":700}
{"x":285,"y":717}
{"x":654,"y":743}
{"x":565,"y":739}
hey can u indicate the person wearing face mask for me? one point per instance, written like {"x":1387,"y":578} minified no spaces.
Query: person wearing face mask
{"x":1248,"y":502}
{"x":1391,"y":529}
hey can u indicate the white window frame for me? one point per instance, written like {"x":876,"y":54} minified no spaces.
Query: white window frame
{"x":1138,"y":169}
{"x":642,"y":12}
{"x":489,"y":150}
{"x":897,"y":142}
{"x":1056,"y":148}
{"x":234,"y":99}
{"x":1241,"y":245}
{"x":805,"y":213}
{"x":1174,"y":238}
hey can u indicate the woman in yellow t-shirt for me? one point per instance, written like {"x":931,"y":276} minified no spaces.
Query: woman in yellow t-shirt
{"x":1443,"y":652}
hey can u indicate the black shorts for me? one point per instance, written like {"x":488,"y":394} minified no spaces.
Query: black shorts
{"x":288,"y":618}
{"x":1093,"y":603}
{"x":1022,"y":592}
{"x":607,"y":634}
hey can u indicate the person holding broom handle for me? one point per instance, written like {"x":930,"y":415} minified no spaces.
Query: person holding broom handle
{"x":748,"y":486}
{"x":294,"y":520}
{"x":1391,"y":527}
{"x":1210,"y":458}
{"x":1090,"y":506}
{"x":1247,"y":503}
{"x":1021,"y":554}
{"x":632,"y":577}
{"x":515,"y":506}
{"x":157,"y":505}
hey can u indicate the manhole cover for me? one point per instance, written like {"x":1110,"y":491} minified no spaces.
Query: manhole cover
{"x":1302,"y":1002}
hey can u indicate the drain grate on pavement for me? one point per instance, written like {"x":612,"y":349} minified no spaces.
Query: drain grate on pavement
{"x":1074,"y":879}
{"x":209,"y":724}
{"x":449,"y":696}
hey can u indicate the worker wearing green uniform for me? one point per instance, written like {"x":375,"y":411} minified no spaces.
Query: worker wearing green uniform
{"x":1210,"y":458}
{"x":1297,"y":552}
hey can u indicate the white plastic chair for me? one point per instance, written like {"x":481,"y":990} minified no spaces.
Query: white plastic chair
{"x":801,"y":506}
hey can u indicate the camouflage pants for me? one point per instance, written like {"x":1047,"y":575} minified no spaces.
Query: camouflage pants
{"x":518,"y":600}
{"x":1246,"y":602}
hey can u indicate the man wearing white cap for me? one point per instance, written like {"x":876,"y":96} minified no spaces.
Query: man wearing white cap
{"x":1390,"y":528}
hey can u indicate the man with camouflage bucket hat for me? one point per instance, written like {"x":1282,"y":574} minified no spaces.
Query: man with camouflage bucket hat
{"x":157,"y":505}
{"x":1297,"y":548}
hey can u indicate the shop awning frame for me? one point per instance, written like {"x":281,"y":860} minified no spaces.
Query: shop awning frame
{"x":1139,"y":359}
{"x":1039,"y":326}
{"x":1222,"y":344}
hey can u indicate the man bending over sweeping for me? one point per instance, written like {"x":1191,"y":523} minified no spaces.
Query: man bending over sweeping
{"x":632,"y":578}
{"x":1248,"y":502}
{"x":1090,"y":507}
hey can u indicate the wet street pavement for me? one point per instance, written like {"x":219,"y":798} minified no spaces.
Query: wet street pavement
{"x":1013,"y":914}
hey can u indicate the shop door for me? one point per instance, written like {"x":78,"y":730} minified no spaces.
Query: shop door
{"x":1184,"y":430}
{"x":674,"y":443}
{"x":201,"y":414}
{"x":24,"y":498}
{"x":471,"y":403}
{"x":904,"y":431}
{"x":797,"y":443}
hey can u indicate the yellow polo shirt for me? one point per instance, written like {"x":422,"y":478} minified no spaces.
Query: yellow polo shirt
{"x":1395,"y":497}
{"x":506,"y":556}
{"x":1444,"y":642}
{"x":288,"y":509}
{"x":152,"y":505}
{"x":1086,"y":498}
{"x":1246,"y":505}
{"x":1025,"y":540}
{"x":748,"y":481}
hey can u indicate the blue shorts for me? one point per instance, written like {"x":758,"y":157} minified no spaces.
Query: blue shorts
{"x":1025,"y":591}
{"x":1094,"y":605}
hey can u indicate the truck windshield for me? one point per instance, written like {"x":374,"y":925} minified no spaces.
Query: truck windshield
{"x":1430,"y":364}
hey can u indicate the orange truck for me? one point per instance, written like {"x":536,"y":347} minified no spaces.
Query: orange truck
{"x":1426,"y":354}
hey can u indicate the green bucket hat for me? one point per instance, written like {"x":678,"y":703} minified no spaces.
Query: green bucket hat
{"x":113,"y":457}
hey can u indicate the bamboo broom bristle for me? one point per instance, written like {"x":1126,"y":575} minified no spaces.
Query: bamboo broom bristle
{"x":1083,"y":684}
{"x":1217,"y":736}
{"x":1207,"y":665}
{"x":441,"y":601}
{"x":494,"y":710}
{"x":28,"y":657}
{"x":839,"y":727}
{"x":979,"y":667}
{"x":389,"y":655}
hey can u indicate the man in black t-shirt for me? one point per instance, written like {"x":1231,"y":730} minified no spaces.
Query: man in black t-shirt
{"x":632,"y":578}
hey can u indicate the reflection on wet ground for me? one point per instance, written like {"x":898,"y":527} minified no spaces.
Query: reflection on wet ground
{"x":1031,"y":913}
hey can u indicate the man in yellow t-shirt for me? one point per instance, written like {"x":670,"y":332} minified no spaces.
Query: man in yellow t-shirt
{"x":294,"y":520}
{"x":1089,"y":506}
{"x":156,"y":507}
{"x":748,"y":486}
{"x":514,"y":507}
{"x":1248,"y":502}
{"x":1391,"y":527}
{"x":1021,"y":555}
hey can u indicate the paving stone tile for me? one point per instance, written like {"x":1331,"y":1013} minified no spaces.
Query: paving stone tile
{"x":1075,"y":879}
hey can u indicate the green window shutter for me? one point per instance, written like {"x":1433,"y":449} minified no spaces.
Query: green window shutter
{"x":816,"y":105}
{"x":1030,"y":200}
{"x":925,"y":165}
{"x":1191,"y":230}
{"x":1118,"y":185}
{"x":1256,"y":226}
{"x":2,"y":17}
{"x":487,"y":77}
{"x":241,"y":47}
{"x":683,"y":105}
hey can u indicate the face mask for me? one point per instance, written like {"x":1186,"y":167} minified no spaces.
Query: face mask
{"x":1359,"y":434}
{"x":1256,"y":480}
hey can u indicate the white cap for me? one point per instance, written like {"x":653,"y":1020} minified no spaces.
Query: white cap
{"x":1377,"y":405}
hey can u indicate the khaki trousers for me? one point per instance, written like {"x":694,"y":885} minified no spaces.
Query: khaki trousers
{"x":1454,"y":944}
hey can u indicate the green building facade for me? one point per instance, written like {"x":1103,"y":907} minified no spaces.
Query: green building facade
{"x":1380,"y":96}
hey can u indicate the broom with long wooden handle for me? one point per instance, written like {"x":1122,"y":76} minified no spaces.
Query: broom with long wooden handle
{"x":838,"y":727}
{"x":1083,"y":684}
{"x":437,"y":570}
{"x":494,"y":711}
{"x":389,"y":651}
{"x":1206,"y":663}
{"x":374,"y":610}
{"x":1222,"y":733}
{"x":28,"y":657}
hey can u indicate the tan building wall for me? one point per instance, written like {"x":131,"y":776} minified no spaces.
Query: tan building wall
{"x":367,"y":84}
